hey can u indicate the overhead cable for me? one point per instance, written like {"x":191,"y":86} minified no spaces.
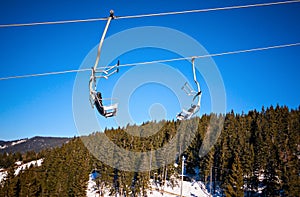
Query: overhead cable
{"x":158,"y":61}
{"x":45,"y":74}
{"x":150,"y":15}
{"x":210,"y":55}
{"x":52,"y":22}
{"x":208,"y":9}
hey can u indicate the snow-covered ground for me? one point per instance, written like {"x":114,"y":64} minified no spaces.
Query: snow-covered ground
{"x":3,"y":147}
{"x":3,"y":174}
{"x":27,"y":165}
{"x":19,"y":168}
{"x":193,"y":189}
{"x":13,"y":143}
{"x":92,"y":190}
{"x":18,"y":142}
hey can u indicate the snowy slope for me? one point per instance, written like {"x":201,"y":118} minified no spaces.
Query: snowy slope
{"x":27,"y":165}
{"x":193,"y":189}
{"x":31,"y":144}
{"x":18,"y":142}
{"x":19,"y":168}
{"x":92,"y":190}
{"x":3,"y":174}
{"x":3,"y":146}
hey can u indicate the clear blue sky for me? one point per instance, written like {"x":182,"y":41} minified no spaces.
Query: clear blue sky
{"x":43,"y":105}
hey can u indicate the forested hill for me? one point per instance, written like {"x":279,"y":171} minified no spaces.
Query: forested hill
{"x":35,"y":144}
{"x":256,"y":154}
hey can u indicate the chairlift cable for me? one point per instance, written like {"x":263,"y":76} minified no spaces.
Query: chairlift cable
{"x":157,"y":61}
{"x":208,"y":9}
{"x":149,"y":15}
{"x":45,"y":74}
{"x":210,"y":55}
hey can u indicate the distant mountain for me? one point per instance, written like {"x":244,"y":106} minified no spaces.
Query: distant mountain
{"x":28,"y":144}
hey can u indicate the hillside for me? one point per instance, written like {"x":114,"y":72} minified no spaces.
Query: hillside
{"x":256,"y":154}
{"x":193,"y":189}
{"x":35,"y":144}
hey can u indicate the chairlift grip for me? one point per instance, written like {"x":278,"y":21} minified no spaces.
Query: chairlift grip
{"x":111,"y":16}
{"x":93,"y":78}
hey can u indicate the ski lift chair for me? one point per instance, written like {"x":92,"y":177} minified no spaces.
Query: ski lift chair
{"x":186,"y":114}
{"x":96,"y":97}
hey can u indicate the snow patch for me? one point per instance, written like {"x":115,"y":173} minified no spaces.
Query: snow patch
{"x":18,"y":142}
{"x":3,"y":175}
{"x":3,"y":172}
{"x":92,"y":190}
{"x":20,"y":167}
{"x":3,"y":147}
{"x":193,"y":189}
{"x":27,"y":165}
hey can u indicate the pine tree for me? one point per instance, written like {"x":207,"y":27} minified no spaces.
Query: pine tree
{"x":272,"y":171}
{"x":235,"y":182}
{"x":258,"y":143}
{"x":17,"y":188}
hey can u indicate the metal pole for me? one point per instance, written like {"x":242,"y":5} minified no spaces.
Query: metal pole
{"x":194,"y":74}
{"x":92,"y":80}
{"x":166,"y":175}
{"x":150,"y":164}
{"x":102,"y":38}
{"x":210,"y":185}
{"x":182,"y":169}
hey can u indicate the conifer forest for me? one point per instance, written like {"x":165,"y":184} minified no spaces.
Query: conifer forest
{"x":258,"y":150}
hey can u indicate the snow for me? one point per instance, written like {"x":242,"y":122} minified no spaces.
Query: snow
{"x":18,"y":142}
{"x":3,"y":174}
{"x":92,"y":189}
{"x":27,"y":165}
{"x":261,"y":177}
{"x":193,"y":189}
{"x":20,"y":167}
{"x":3,"y":147}
{"x":13,"y":143}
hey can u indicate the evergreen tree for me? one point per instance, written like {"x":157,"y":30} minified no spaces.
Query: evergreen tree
{"x":258,"y":150}
{"x":235,"y":181}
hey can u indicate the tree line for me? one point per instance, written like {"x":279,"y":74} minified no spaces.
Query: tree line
{"x":256,"y":154}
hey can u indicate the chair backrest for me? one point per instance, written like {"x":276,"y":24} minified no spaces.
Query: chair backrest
{"x":106,"y":111}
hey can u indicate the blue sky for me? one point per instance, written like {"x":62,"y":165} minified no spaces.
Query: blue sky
{"x":43,"y":105}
